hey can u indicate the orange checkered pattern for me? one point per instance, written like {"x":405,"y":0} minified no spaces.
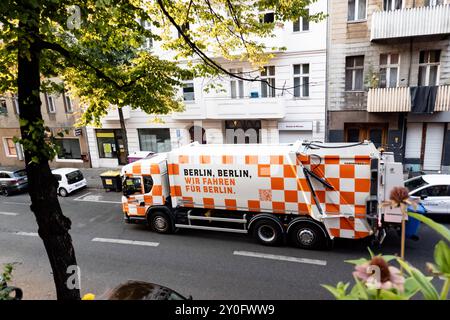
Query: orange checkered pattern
{"x":157,"y":195}
{"x":282,"y":187}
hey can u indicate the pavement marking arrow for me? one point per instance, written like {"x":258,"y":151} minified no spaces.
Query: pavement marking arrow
{"x":123,"y":241}
{"x":280,"y":258}
{"x":9,"y":213}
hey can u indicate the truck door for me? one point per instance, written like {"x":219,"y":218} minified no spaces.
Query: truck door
{"x":132,"y":189}
{"x":435,"y":199}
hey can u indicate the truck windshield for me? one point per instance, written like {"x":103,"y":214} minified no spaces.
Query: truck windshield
{"x":415,"y":183}
{"x":74,"y":177}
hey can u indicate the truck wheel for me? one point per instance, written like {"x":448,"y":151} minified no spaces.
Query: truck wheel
{"x":267,"y":232}
{"x":307,"y":236}
{"x":63,"y":192}
{"x":160,"y":222}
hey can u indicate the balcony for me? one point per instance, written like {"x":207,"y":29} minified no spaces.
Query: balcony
{"x":245,"y":108}
{"x":399,"y":99}
{"x":411,"y":22}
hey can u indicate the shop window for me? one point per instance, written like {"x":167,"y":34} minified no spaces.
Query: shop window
{"x":106,"y":144}
{"x":156,"y":140}
{"x":68,"y":148}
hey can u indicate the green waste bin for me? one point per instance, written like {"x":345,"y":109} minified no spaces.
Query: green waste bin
{"x":111,"y":180}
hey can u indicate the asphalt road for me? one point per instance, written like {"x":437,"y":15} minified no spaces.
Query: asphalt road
{"x":204,"y":264}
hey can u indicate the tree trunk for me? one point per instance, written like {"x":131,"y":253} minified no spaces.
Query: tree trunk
{"x":53,"y":226}
{"x":124,"y":132}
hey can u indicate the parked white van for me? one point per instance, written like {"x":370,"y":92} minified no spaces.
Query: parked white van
{"x":70,"y":179}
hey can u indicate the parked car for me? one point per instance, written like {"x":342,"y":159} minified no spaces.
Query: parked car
{"x":433,"y":190}
{"x":69,"y":179}
{"x":13,"y":181}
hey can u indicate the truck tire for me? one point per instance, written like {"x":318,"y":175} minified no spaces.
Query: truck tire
{"x":307,"y":235}
{"x":160,"y":222}
{"x":267,"y":232}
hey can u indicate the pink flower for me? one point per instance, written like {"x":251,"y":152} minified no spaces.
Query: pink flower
{"x":377,"y":274}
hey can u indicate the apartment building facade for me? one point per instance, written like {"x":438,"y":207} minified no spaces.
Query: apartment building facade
{"x":388,"y":78}
{"x":60,"y":113}
{"x":243,"y":111}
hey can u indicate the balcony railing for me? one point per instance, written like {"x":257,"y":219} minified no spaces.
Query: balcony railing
{"x":399,"y":99}
{"x":411,"y":22}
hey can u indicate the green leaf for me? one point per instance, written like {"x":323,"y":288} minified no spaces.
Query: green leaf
{"x":357,"y":261}
{"x":424,"y":283}
{"x":439,"y":228}
{"x":389,"y":295}
{"x":442,"y":257}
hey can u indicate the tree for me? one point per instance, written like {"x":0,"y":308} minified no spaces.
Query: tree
{"x":95,"y":47}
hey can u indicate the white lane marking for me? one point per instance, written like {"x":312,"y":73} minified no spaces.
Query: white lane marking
{"x":94,"y":218}
{"x":122,"y":241}
{"x":94,"y":198}
{"x":281,"y":258}
{"x":12,"y":202}
{"x":28,"y":234}
{"x":9,"y":213}
{"x":77,"y":198}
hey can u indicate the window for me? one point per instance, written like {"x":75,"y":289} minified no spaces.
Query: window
{"x":389,"y":70}
{"x":356,"y":10}
{"x":301,"y":80}
{"x":429,"y":61}
{"x":3,"y":107}
{"x":68,"y":148}
{"x":148,"y":184}
{"x":74,"y":177}
{"x":430,"y":3}
{"x":16,"y":104}
{"x":242,"y":131}
{"x":415,"y":183}
{"x":132,"y":186}
{"x":301,"y":24}
{"x":354,"y":69}
{"x":390,"y":5}
{"x":268,"y":83}
{"x":51,"y":106}
{"x":268,"y":17}
{"x":68,"y":104}
{"x":188,"y":91}
{"x":10,"y":147}
{"x":156,"y":140}
{"x":434,"y":191}
{"x":236,"y":85}
{"x":106,"y":144}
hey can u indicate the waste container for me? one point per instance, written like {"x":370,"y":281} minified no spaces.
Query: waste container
{"x":412,"y":225}
{"x":111,"y":180}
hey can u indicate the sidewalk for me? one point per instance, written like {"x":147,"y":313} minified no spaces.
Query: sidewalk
{"x":92,"y":175}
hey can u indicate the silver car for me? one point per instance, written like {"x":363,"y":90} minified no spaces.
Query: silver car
{"x":13,"y":181}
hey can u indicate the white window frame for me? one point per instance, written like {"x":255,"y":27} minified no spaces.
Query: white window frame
{"x":271,"y":92}
{"x":182,"y":91}
{"x":69,"y":104}
{"x":302,"y":77}
{"x":51,"y":104}
{"x":15,"y":100}
{"x":299,"y":21}
{"x":428,"y":66}
{"x":433,"y":3}
{"x":262,"y":14}
{"x":238,"y":85}
{"x":354,"y":69}
{"x":392,"y":6}
{"x":6,"y":148}
{"x":356,"y":12}
{"x":388,"y":66}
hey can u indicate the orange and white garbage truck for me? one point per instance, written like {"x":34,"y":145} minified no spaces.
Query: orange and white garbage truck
{"x":305,"y":192}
